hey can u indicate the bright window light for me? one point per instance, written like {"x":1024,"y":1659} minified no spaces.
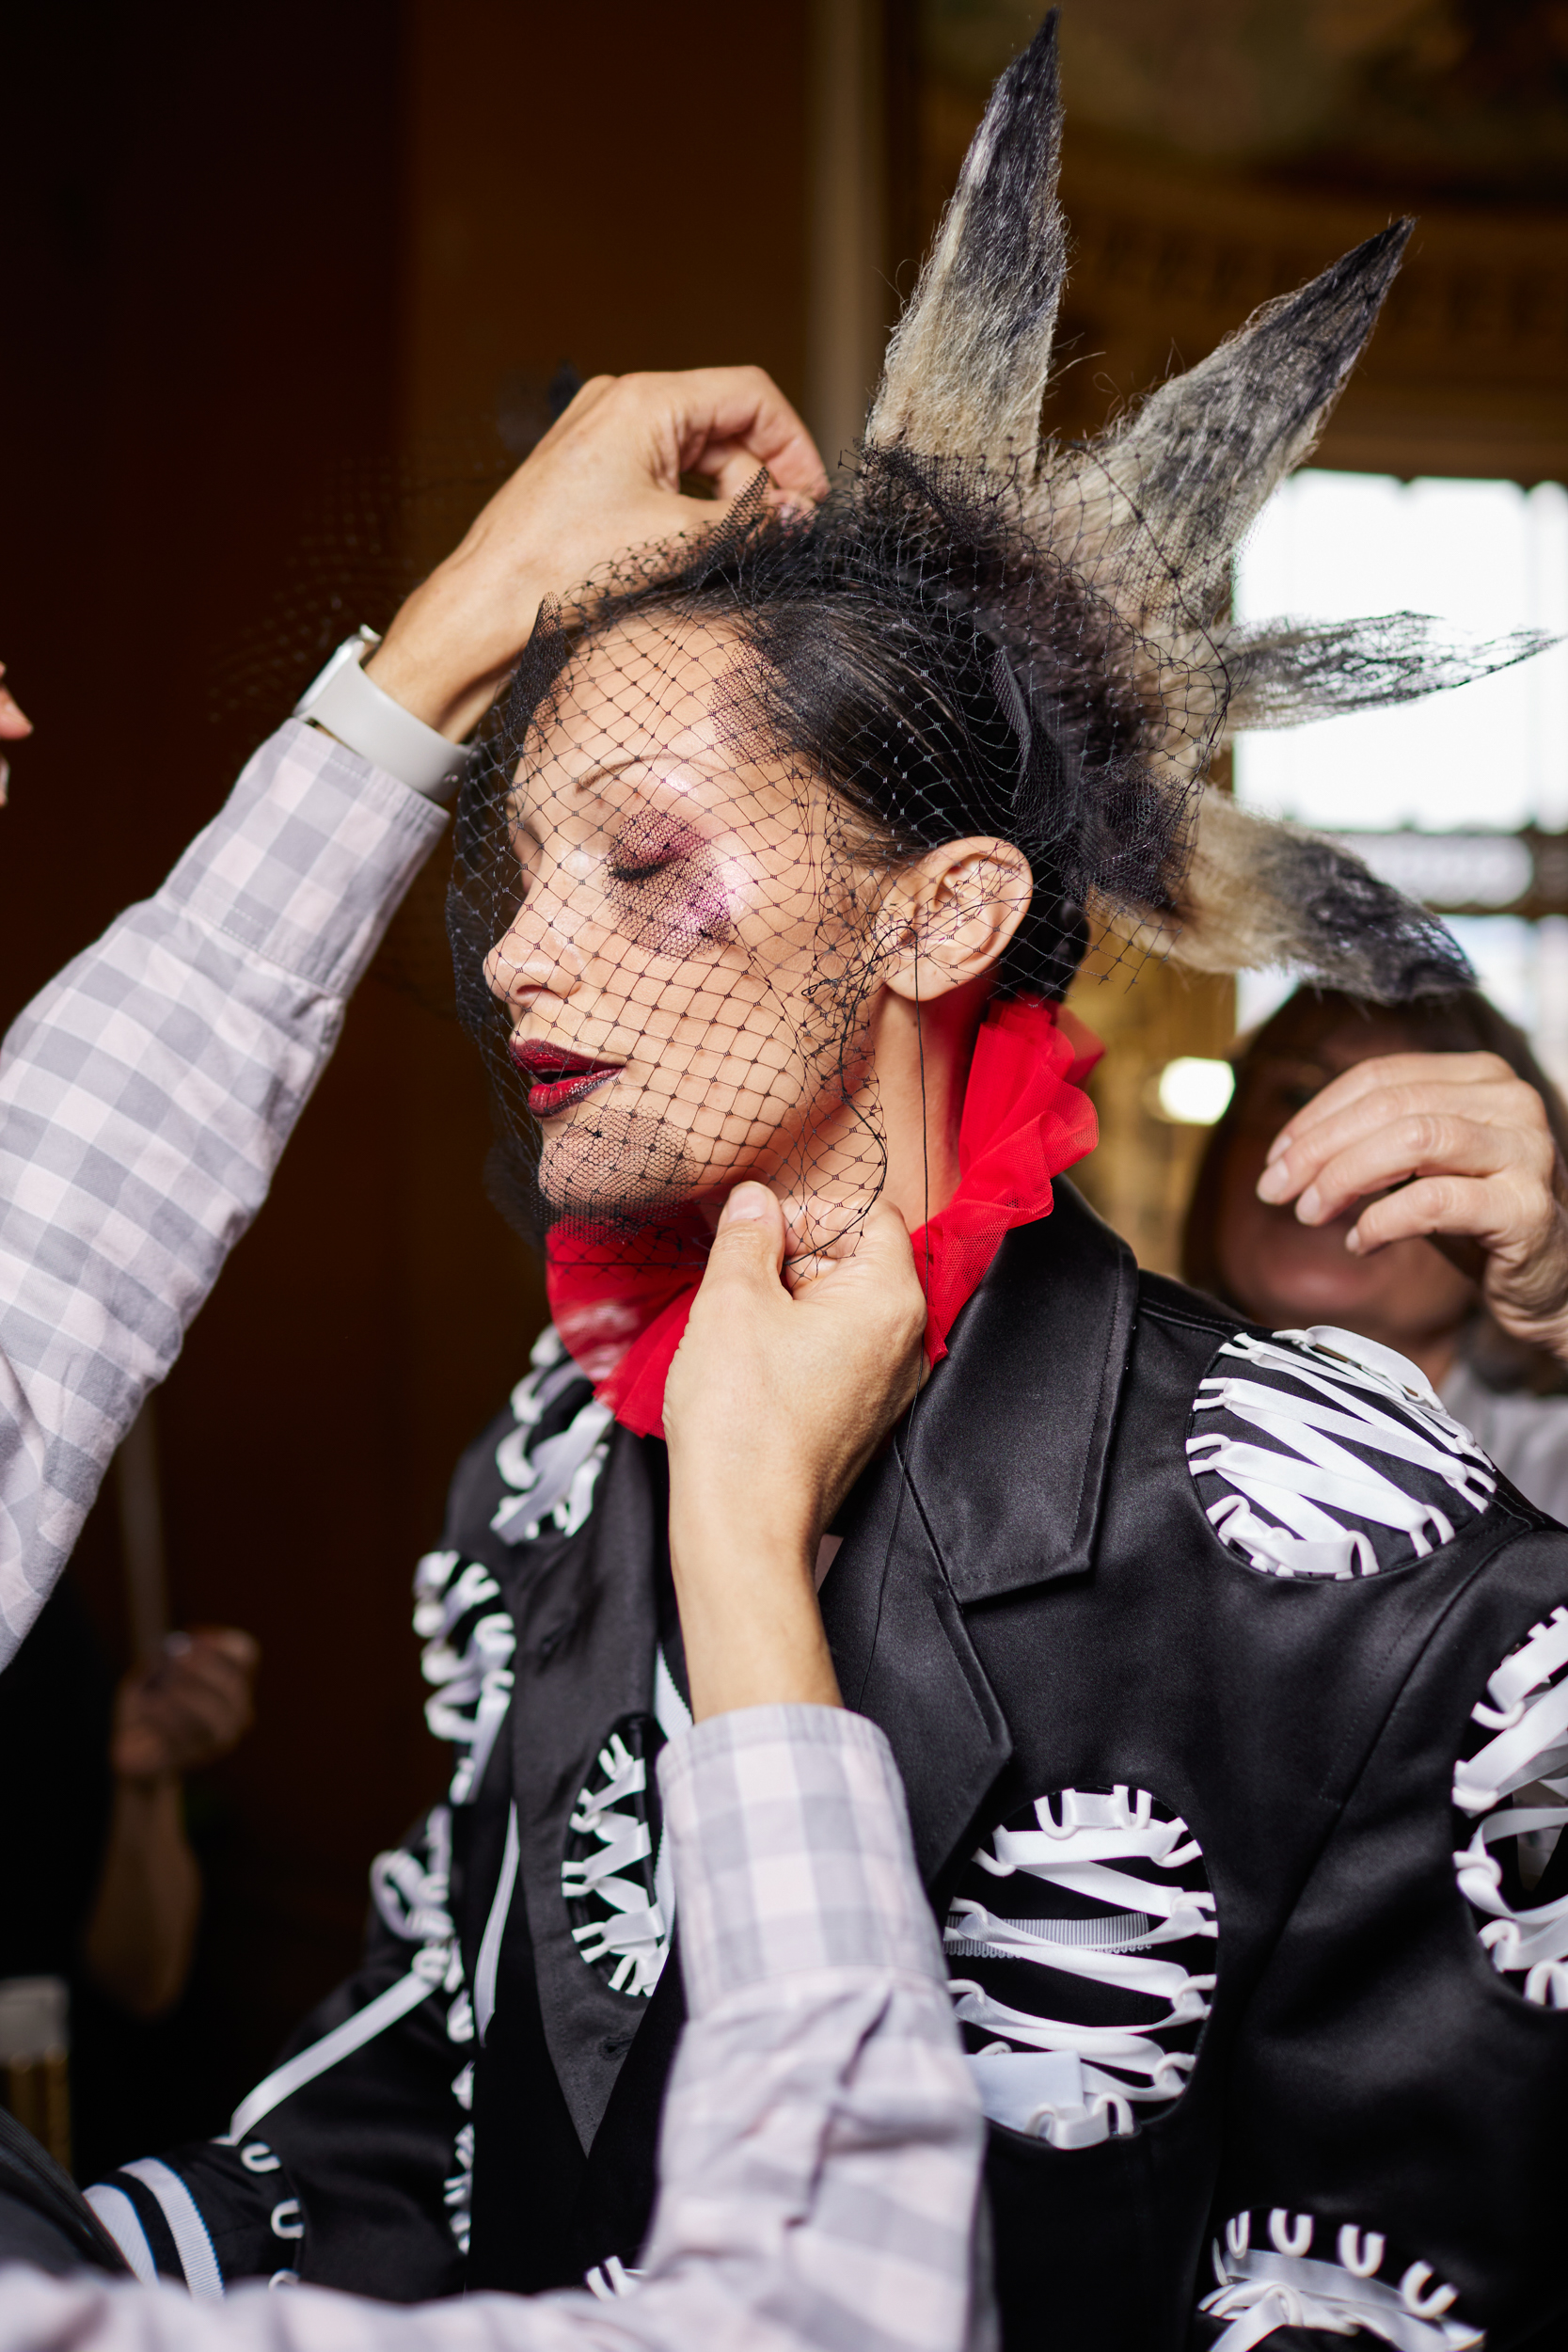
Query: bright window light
{"x":1485,"y":556}
{"x":1195,"y":1092}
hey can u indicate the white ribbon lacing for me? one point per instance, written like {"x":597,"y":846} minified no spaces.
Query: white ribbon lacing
{"x":473,"y":1685}
{"x":555,"y":1479}
{"x":1525,"y":1711}
{"x":633,"y":1931}
{"x":1281,"y":1512}
{"x":411,"y":1897}
{"x":1056,"y":2088}
{"x":1264,"y":2288}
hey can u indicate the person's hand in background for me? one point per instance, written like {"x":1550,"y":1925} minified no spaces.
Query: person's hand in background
{"x":187,"y":1707}
{"x":607,"y":477}
{"x":1452,"y":1147}
{"x":183,"y":1709}
{"x":14,"y":724}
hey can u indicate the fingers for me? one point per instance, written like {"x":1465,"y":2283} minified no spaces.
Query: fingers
{"x":605,"y":479}
{"x":14,"y":722}
{"x":1434,"y":1205}
{"x":1360,"y":1092}
{"x":1420,"y":1143}
{"x":732,"y":420}
{"x":1411,"y":1117}
{"x":191,"y":1706}
{"x":231,"y":1641}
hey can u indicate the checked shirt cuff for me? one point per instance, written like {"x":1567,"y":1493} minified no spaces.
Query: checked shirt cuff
{"x":791,"y":1844}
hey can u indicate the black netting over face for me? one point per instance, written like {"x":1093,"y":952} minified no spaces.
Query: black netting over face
{"x":684,"y":855}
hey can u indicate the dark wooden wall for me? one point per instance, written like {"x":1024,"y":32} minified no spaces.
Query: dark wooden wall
{"x":242,"y":246}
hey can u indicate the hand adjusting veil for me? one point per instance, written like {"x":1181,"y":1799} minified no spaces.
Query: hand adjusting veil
{"x":714,"y":761}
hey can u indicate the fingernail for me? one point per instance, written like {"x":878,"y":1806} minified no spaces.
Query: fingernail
{"x":1308,"y":1205}
{"x":1281,"y":1143}
{"x":1275,"y":1182}
{"x":746,"y":1203}
{"x":1353,"y":1241}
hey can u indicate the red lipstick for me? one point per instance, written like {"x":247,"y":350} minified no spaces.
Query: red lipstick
{"x":557,"y":1078}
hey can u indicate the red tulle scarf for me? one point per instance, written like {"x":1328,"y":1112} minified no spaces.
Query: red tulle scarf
{"x":1025,"y":1120}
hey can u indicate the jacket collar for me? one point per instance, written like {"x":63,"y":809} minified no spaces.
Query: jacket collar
{"x":1009,"y":1443}
{"x":997,"y":1489}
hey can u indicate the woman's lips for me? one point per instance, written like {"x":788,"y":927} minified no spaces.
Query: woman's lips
{"x":557,"y":1078}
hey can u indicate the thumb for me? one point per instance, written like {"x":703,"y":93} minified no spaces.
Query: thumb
{"x":749,"y":1243}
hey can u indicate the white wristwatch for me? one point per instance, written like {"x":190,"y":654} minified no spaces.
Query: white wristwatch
{"x":353,"y":708}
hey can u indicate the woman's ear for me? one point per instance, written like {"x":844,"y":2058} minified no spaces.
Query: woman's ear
{"x":947,"y":917}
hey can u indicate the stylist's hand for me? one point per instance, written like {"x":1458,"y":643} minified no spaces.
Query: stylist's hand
{"x":605,"y":478}
{"x":1466,"y":1144}
{"x":14,"y":724}
{"x":774,"y":1404}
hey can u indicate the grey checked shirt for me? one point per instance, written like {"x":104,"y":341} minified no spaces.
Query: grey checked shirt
{"x":145,"y":1098}
{"x":821,"y":2153}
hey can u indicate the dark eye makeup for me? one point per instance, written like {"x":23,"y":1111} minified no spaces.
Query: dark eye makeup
{"x":649,"y":845}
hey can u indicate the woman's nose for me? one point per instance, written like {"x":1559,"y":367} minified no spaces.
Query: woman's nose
{"x":531,"y":956}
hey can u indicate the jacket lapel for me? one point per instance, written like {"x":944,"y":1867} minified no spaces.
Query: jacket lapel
{"x":993,"y":1485}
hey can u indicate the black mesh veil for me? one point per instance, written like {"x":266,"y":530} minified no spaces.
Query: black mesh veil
{"x":685,"y":848}
{"x":899,"y":670}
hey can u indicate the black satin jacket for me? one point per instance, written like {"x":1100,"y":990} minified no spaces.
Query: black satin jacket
{"x":1041,"y":1590}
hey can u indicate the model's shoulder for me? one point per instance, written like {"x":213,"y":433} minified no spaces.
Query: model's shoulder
{"x":1165,"y":1301}
{"x":1319,"y":1454}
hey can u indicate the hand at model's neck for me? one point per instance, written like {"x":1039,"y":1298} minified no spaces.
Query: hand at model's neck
{"x":921,"y":1052}
{"x":906,"y":1104}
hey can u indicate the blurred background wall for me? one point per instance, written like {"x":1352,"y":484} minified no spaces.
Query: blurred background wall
{"x":284,"y":287}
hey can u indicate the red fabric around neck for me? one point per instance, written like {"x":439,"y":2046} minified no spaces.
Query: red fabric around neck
{"x":1025,"y":1120}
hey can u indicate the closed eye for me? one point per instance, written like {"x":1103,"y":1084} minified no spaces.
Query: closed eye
{"x":646,"y":869}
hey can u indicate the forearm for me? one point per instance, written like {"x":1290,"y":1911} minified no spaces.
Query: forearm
{"x":146,"y":1095}
{"x":139,"y":1941}
{"x":750,"y":1623}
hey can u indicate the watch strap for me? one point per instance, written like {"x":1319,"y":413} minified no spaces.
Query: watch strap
{"x":353,"y":708}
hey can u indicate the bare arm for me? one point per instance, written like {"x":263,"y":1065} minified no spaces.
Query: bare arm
{"x":190,"y":1707}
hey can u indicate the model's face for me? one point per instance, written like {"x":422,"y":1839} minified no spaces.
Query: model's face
{"x":1285,"y":1273}
{"x":682,"y":971}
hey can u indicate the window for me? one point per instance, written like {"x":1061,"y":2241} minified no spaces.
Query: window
{"x":1435,"y":795}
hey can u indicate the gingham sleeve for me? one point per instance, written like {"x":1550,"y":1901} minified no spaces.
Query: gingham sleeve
{"x":145,"y":1097}
{"x":822,"y":2137}
{"x":819,"y":2163}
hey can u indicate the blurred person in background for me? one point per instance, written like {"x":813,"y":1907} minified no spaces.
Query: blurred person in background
{"x":114,"y":1887}
{"x":1401,"y":1172}
{"x":107,"y":1878}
